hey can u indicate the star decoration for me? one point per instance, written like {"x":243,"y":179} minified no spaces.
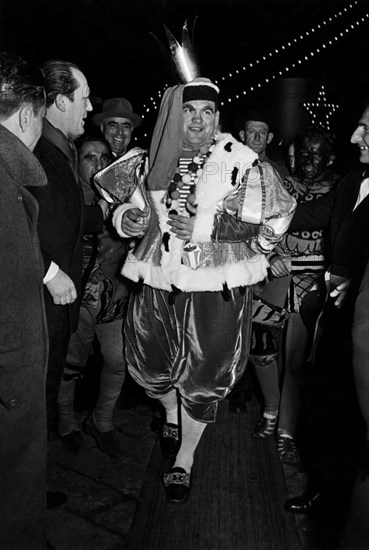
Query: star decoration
{"x":320,"y":111}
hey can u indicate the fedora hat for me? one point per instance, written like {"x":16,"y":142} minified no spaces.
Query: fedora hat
{"x":117,"y":107}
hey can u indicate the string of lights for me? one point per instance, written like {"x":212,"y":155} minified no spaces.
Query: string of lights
{"x":307,"y":56}
{"x":324,"y":45}
{"x":292,"y":42}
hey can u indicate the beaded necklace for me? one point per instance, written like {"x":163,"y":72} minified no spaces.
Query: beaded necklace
{"x":194,"y":171}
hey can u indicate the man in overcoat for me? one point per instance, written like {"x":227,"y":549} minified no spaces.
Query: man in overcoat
{"x":23,"y":330}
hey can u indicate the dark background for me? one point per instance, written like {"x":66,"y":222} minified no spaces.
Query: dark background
{"x":112,"y":43}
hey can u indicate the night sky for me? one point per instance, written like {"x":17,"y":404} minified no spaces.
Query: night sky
{"x":111,"y":41}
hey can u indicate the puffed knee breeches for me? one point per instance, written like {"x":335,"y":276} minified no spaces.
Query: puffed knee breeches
{"x":198,"y":345}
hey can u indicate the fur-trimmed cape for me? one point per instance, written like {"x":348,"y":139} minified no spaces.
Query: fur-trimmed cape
{"x":163,"y":261}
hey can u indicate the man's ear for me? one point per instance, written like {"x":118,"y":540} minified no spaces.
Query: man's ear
{"x":102,"y":127}
{"x":60,"y":103}
{"x":242,"y":135}
{"x":25,"y":116}
{"x":331,"y":160}
{"x":270,"y":137}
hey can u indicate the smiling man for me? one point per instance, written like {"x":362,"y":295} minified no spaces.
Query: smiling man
{"x":62,"y":217}
{"x":116,"y":123}
{"x":188,"y":325}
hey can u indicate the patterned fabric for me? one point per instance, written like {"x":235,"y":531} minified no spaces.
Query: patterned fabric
{"x":118,"y":181}
{"x":183,"y":165}
{"x":267,"y":325}
{"x":305,"y":248}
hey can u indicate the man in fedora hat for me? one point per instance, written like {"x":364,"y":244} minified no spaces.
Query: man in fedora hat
{"x":116,"y":122}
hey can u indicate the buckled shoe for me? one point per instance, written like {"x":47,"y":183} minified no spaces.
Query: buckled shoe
{"x":177,"y":485}
{"x":170,"y":440}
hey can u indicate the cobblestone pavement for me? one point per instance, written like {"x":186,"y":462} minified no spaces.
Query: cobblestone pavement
{"x":103,"y":491}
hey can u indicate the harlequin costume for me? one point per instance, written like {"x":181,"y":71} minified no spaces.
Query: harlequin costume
{"x":189,"y":325}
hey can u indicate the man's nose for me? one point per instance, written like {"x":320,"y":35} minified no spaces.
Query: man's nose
{"x":257,"y":136}
{"x":196,"y":116}
{"x":89,"y":105}
{"x":356,"y":136}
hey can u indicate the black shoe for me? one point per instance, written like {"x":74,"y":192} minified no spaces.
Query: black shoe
{"x":73,"y":442}
{"x":170,"y":440}
{"x":307,"y":503}
{"x":55,"y":499}
{"x":265,"y":427}
{"x":177,"y":485}
{"x":287,"y":450}
{"x":108,"y":442}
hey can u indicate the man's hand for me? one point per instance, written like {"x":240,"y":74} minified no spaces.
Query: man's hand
{"x":135,"y":222}
{"x":62,"y":289}
{"x":340,"y":287}
{"x":182,"y":226}
{"x":278,"y":267}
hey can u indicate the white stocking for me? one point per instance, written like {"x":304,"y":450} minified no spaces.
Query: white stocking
{"x":191,"y":434}
{"x":170,"y":404}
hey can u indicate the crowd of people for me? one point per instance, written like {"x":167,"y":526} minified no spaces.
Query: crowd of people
{"x":191,"y":264}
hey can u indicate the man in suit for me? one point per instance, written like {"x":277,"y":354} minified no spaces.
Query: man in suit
{"x":23,"y":330}
{"x":63,"y":217}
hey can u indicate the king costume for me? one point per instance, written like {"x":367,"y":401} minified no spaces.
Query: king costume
{"x":188,"y":325}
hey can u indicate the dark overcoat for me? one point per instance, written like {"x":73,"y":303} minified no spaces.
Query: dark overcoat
{"x":23,"y":351}
{"x":62,"y":221}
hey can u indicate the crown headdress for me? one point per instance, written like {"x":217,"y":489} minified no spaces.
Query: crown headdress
{"x":183,"y":57}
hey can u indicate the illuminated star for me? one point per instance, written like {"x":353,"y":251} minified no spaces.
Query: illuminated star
{"x":320,"y":111}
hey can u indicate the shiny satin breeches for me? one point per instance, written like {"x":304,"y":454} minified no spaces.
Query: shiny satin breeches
{"x":198,"y":344}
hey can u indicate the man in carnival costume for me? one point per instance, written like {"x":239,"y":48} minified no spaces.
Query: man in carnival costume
{"x":188,"y":324}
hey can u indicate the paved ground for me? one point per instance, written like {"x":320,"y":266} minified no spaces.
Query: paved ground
{"x":103,"y":492}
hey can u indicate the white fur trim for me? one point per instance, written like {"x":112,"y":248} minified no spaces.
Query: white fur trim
{"x":203,"y":226}
{"x":215,"y":182}
{"x":245,"y":273}
{"x":170,"y":258}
